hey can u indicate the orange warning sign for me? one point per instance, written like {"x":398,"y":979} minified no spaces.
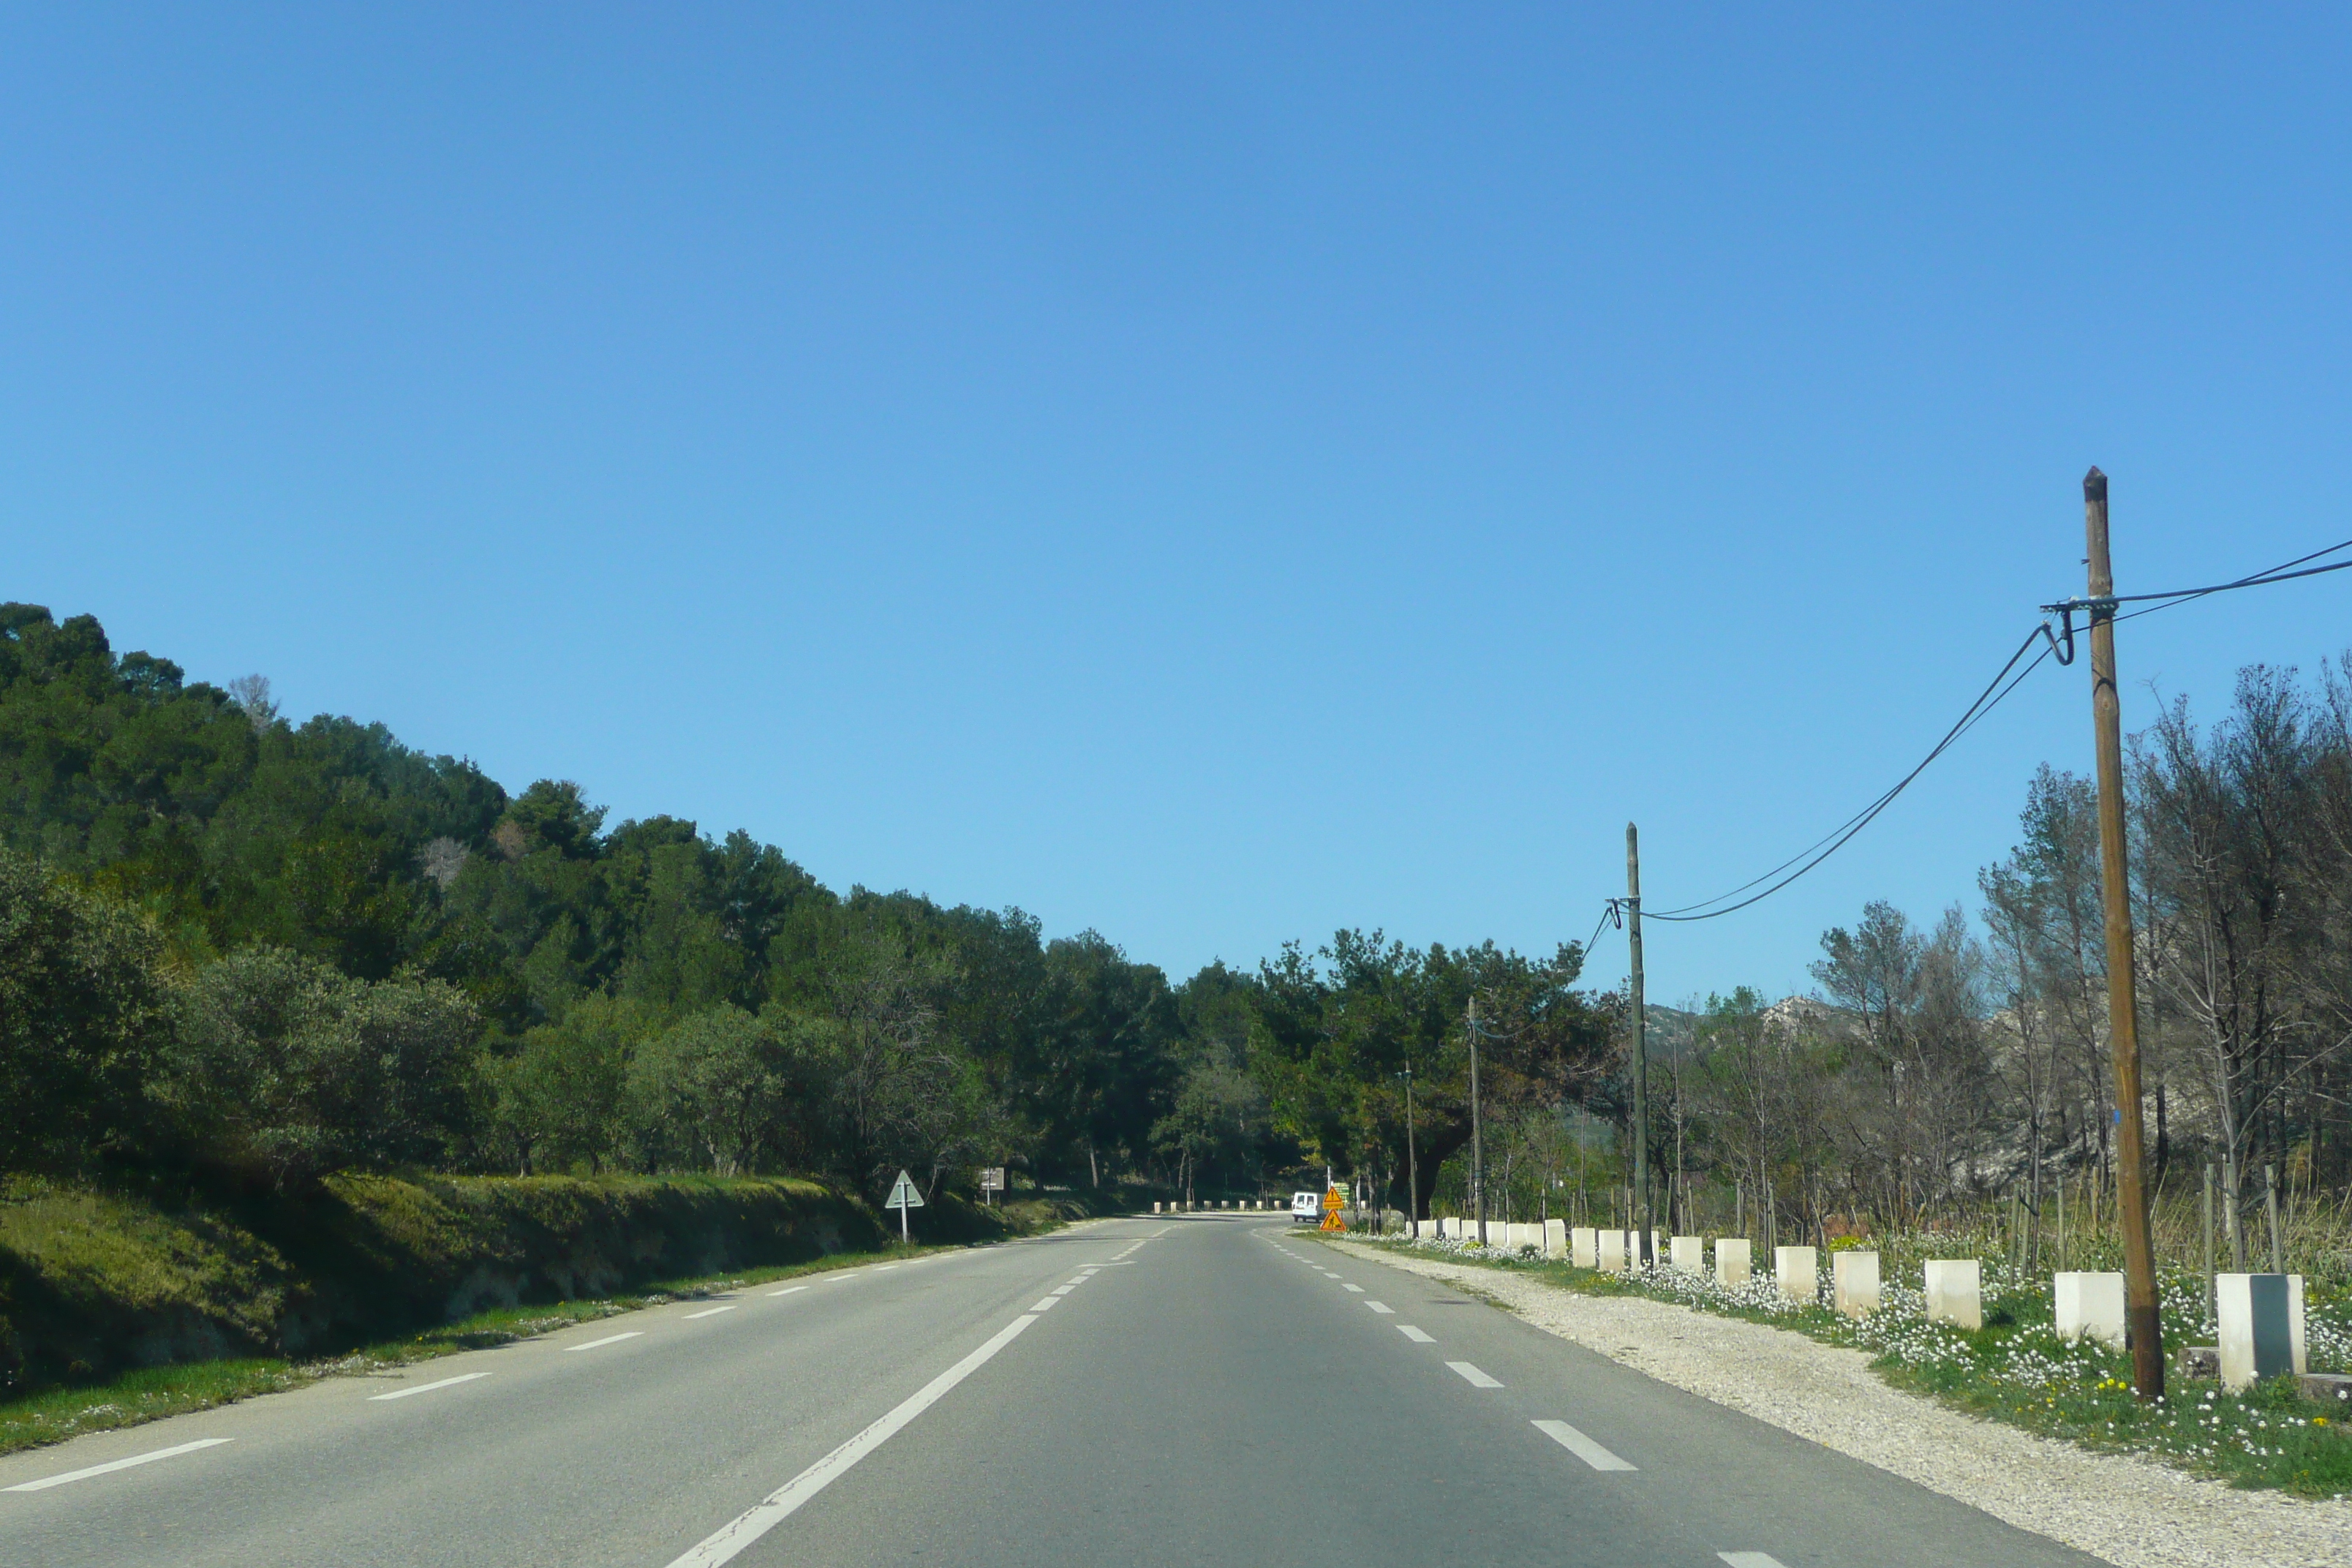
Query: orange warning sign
{"x":1332,"y":1203}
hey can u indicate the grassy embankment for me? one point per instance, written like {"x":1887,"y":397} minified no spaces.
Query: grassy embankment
{"x":119,"y":1307}
{"x":2017,"y":1370}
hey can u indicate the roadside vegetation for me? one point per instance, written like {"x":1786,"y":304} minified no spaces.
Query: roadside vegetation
{"x":2017,"y":1370}
{"x":149,"y":1393}
{"x":286,"y":1006}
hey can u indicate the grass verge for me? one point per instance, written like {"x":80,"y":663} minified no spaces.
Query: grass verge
{"x":2017,"y":1370}
{"x":150,"y":1394}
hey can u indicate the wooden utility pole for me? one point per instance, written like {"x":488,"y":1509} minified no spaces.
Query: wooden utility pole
{"x":1477,"y":1135}
{"x":1411,"y":1162}
{"x":1640,"y":1049}
{"x":2123,"y":1004}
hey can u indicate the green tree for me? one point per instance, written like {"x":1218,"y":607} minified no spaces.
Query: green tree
{"x":83,"y":1016}
{"x":713,"y":1091}
{"x":561,"y":1096}
{"x":304,"y":1071}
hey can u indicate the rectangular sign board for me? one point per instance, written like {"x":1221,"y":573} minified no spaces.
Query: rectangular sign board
{"x":991,"y":1179}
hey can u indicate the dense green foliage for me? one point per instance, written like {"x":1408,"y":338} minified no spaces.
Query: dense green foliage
{"x":243,"y":950}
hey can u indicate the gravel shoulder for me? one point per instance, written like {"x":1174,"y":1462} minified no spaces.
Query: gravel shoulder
{"x":2129,"y":1512}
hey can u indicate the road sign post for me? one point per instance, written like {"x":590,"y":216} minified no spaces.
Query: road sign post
{"x":903,"y":1196}
{"x":992,"y":1180}
{"x":1333,"y":1201}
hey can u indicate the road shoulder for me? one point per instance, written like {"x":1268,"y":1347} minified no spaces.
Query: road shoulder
{"x":2122,"y":1510}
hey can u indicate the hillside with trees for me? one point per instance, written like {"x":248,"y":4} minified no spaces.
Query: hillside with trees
{"x":257,"y":949}
{"x":248,"y":950}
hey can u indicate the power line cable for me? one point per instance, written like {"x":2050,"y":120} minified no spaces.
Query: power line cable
{"x":2061,"y":645}
{"x":1999,"y":687}
{"x":2282,"y":572}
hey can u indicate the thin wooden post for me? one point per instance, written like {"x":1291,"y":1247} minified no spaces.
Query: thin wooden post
{"x":2142,"y":1324}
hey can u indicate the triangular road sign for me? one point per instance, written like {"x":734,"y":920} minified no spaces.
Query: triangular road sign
{"x":904,"y":1196}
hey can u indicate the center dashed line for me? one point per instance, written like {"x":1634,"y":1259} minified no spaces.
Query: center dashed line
{"x":1472,"y":1376}
{"x":1383,"y":1307}
{"x":785,"y":1291}
{"x":1582,"y":1447}
{"x":607,"y":1339}
{"x":1358,"y":1290}
{"x":710,"y":1312}
{"x":1416,"y":1335}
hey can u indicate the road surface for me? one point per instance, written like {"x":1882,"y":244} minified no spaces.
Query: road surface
{"x":1202,"y":1390}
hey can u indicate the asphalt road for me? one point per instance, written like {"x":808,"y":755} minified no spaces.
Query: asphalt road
{"x":1201,"y":1391}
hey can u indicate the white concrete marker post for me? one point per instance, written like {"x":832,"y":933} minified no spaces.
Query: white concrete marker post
{"x":1687,"y":1254}
{"x":2257,"y":1335}
{"x":2090,"y":1306}
{"x":903,"y":1196}
{"x":1584,"y":1247}
{"x":1555,"y":1238}
{"x":1854,"y":1282}
{"x":1731,"y":1265}
{"x":1956,"y":1291}
{"x":1797,"y":1269}
{"x":1610,"y":1254}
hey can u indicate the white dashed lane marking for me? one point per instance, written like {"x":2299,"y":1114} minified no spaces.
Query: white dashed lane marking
{"x":1383,"y":1307}
{"x":1416,"y":1335}
{"x":1358,"y":1290}
{"x":149,"y":1458}
{"x":1582,"y":1447}
{"x":1749,"y":1559}
{"x":607,"y":1339}
{"x":1472,"y":1375}
{"x":785,"y":1291}
{"x":709,"y":1311}
{"x":427,"y":1387}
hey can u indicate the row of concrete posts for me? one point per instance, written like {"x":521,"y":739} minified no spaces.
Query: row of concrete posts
{"x":2259,"y":1316}
{"x":1211,"y":1204}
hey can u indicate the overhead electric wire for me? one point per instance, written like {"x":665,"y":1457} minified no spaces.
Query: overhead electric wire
{"x":2279,"y":574}
{"x":1999,"y":688}
{"x":1838,"y":837}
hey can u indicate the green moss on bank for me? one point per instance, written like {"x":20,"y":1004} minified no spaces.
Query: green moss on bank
{"x":97,"y":1283}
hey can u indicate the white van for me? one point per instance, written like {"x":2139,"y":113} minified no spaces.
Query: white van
{"x":1307,"y":1207}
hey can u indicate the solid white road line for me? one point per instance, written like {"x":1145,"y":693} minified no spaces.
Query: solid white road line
{"x":710,"y":1312}
{"x":427,"y":1387}
{"x":1582,"y":1447}
{"x":46,"y":1482}
{"x":1383,"y":1307}
{"x":785,"y":1291}
{"x":1416,"y":1335}
{"x":1472,"y":1375}
{"x":1358,"y":1290}
{"x":781,"y":1504}
{"x":1749,"y":1559}
{"x":607,"y":1339}
{"x":1048,"y":1302}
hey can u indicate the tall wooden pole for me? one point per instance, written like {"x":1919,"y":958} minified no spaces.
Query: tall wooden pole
{"x":1477,"y":1134}
{"x":2123,"y":1008}
{"x":1640,"y":1049}
{"x":1411,"y":1162}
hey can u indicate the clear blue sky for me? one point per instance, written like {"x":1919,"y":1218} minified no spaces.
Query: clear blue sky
{"x":1210,"y":474}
